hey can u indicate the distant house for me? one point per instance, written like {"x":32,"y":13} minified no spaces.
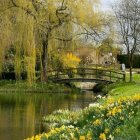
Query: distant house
{"x":87,"y":55}
{"x":100,"y":55}
{"x":107,"y":54}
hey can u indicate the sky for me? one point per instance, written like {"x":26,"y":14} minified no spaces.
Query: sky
{"x":106,"y":4}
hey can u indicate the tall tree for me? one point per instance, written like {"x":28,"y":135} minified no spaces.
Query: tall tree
{"x":128,"y":15}
{"x":36,"y":22}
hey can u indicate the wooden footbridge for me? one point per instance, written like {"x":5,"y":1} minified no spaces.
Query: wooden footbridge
{"x":86,"y":75}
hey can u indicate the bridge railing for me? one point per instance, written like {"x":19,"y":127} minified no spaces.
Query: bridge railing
{"x":87,"y":73}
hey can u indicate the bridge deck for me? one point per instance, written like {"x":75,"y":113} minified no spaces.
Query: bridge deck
{"x":82,"y":80}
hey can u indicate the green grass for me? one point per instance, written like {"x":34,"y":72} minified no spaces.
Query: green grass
{"x":125,"y":88}
{"x":131,"y":129}
{"x":136,"y":77}
{"x":22,"y":86}
{"x":124,"y":125}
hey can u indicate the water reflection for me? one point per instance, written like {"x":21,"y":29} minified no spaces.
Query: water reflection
{"x":20,"y":114}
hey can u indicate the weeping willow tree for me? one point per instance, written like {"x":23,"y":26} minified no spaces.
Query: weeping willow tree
{"x":32,"y":26}
{"x":5,"y":37}
{"x":25,"y":58}
{"x":18,"y":31}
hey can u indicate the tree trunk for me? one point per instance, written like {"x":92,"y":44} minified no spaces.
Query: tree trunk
{"x":131,"y":67}
{"x":44,"y":59}
{"x":130,"y":73}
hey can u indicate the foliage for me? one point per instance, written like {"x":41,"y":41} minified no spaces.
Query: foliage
{"x":54,"y":60}
{"x":34,"y":26}
{"x":38,"y":87}
{"x":70,"y":60}
{"x":133,"y":131}
{"x":102,"y":121}
{"x":107,"y":47}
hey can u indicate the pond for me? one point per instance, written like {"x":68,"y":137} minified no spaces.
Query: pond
{"x":20,"y":113}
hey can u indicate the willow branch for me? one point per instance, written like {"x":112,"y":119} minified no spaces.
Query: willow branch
{"x":28,"y":11}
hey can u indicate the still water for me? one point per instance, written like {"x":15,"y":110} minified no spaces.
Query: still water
{"x":20,"y":113}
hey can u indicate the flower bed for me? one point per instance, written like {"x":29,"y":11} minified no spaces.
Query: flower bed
{"x":100,"y":121}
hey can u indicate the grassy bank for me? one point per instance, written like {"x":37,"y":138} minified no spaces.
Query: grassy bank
{"x":125,"y":88}
{"x":112,"y":119}
{"x":116,"y":117}
{"x":118,"y":90}
{"x":136,"y":77}
{"x":22,"y":86}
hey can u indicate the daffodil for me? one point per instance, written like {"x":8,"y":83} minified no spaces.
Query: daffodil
{"x":102,"y":136}
{"x":117,"y":130}
{"x":82,"y":138}
{"x":89,"y":136}
{"x":106,"y":131}
{"x":97,"y":122}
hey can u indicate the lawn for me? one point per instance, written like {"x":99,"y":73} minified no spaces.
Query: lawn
{"x":136,"y":77}
{"x":125,"y":89}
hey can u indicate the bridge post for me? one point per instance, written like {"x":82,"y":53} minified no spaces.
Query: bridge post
{"x":57,"y":74}
{"x":96,"y":73}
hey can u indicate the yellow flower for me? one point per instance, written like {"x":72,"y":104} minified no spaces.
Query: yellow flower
{"x":57,"y":129}
{"x":32,"y":138}
{"x":70,"y":60}
{"x":37,"y":137}
{"x":82,"y":138}
{"x":89,"y":136}
{"x":113,"y":112}
{"x":110,"y":100}
{"x":76,"y":129}
{"x":97,"y":122}
{"x":109,"y":113}
{"x":46,"y":135}
{"x":119,"y":110}
{"x":106,"y":131}
{"x":119,"y":101}
{"x":102,"y":136}
{"x":121,"y":118}
{"x":117,"y":130}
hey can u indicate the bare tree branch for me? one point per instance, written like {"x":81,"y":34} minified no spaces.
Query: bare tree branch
{"x":128,"y":16}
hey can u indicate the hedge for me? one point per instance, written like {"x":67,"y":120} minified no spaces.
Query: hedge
{"x":123,"y":59}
